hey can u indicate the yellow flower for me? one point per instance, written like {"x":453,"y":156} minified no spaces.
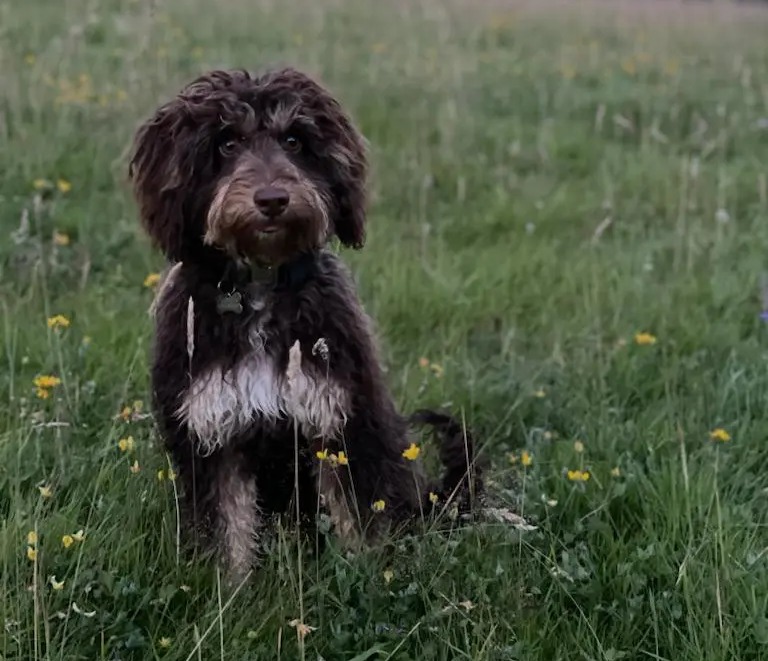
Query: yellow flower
{"x":525,"y":458}
{"x":629,"y":66}
{"x":41,"y":184}
{"x":42,"y":393}
{"x":171,"y":474}
{"x":31,"y":554}
{"x":56,"y":585}
{"x":720,"y":435}
{"x":79,"y":536}
{"x":134,"y":468}
{"x":67,"y":541}
{"x":423,"y":362}
{"x":437,"y":370}
{"x":388,"y":576}
{"x":322,"y":455}
{"x":126,"y":413}
{"x":378,"y":505}
{"x":32,"y":538}
{"x":671,"y":67}
{"x":342,"y":458}
{"x":615,"y":472}
{"x":578,"y":447}
{"x":61,"y":238}
{"x":540,"y":393}
{"x":160,"y":475}
{"x":64,"y":186}
{"x":151,"y":280}
{"x":45,"y":491}
{"x":433,"y":497}
{"x":412,"y":452}
{"x":126,"y":444}
{"x":645,"y":339}
{"x":164,"y":643}
{"x":578,"y":475}
{"x":46,"y":381}
{"x":567,"y":71}
{"x":58,"y":321}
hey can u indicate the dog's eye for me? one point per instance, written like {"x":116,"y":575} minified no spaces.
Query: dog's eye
{"x":228,"y":147}
{"x":291,"y":144}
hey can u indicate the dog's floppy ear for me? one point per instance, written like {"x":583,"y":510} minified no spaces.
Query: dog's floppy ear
{"x":346,"y":150}
{"x":161,"y":168}
{"x":349,"y":153}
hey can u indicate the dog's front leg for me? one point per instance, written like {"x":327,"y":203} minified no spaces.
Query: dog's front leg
{"x":222,"y":500}
{"x":238,"y":514}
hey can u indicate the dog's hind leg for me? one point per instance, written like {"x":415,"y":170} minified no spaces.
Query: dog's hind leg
{"x":333,"y":486}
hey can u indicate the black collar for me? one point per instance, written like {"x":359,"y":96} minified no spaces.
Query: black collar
{"x":238,"y":276}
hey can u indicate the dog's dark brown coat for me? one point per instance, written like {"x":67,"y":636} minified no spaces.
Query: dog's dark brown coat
{"x":177,"y":171}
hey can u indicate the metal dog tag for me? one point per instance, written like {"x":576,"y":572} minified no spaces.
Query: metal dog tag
{"x":232,"y":302}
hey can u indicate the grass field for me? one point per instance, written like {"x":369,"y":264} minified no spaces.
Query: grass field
{"x":568,"y":237}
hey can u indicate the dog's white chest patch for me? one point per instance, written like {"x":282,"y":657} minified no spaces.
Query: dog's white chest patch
{"x":221,"y":404}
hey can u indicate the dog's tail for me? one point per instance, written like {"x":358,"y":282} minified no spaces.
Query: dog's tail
{"x":462,"y":479}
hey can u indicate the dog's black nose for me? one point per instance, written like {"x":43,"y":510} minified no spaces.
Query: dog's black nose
{"x":271,"y":201}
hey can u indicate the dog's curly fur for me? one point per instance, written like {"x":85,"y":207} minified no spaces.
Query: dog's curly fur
{"x":263,"y":355}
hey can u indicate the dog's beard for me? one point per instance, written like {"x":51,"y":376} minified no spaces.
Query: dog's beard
{"x":235,"y":225}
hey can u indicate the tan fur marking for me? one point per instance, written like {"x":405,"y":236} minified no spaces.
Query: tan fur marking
{"x":239,"y":519}
{"x":317,"y":404}
{"x":345,"y":521}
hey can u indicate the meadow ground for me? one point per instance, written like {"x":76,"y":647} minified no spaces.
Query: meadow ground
{"x":548,"y":184}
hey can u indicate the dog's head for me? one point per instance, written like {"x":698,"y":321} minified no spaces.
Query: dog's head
{"x":259,"y":167}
